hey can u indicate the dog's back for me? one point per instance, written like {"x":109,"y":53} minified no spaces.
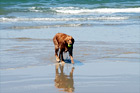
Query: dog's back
{"x":59,"y":38}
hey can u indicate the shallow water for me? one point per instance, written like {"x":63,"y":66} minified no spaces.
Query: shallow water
{"x":99,"y":76}
{"x":27,"y":52}
{"x":102,"y":64}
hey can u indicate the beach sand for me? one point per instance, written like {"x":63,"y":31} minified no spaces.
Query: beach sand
{"x":107,"y":60}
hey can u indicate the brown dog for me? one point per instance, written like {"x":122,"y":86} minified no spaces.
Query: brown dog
{"x":63,"y":43}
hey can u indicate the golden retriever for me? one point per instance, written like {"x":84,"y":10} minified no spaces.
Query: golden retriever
{"x":63,"y":43}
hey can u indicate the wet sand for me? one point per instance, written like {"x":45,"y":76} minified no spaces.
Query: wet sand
{"x":101,"y":65}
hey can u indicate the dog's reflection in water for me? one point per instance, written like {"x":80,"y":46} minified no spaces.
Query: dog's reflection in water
{"x":63,"y":81}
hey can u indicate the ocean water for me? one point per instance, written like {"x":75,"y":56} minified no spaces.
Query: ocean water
{"x":37,"y":14}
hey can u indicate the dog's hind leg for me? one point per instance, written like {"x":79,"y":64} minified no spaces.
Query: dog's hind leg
{"x":56,"y":53}
{"x":56,"y":48}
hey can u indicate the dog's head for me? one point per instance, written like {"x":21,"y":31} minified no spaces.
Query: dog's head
{"x":69,"y":40}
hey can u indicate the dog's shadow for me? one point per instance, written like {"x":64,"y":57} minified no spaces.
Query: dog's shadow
{"x":76,"y":62}
{"x":68,"y":61}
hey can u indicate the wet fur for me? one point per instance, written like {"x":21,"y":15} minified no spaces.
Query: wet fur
{"x":61,"y":42}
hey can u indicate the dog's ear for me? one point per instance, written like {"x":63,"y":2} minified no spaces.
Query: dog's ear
{"x":65,"y":40}
{"x":73,"y":40}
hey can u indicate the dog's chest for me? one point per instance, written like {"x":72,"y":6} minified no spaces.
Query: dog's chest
{"x":67,"y":49}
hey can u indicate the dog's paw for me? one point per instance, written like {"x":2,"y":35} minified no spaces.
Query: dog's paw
{"x":72,"y":61}
{"x":62,"y":62}
{"x":57,"y":59}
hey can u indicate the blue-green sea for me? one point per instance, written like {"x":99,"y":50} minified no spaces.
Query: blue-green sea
{"x":30,"y":14}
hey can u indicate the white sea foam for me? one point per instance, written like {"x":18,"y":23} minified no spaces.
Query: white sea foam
{"x":46,"y":26}
{"x":34,"y":9}
{"x":75,"y":10}
{"x":62,"y":19}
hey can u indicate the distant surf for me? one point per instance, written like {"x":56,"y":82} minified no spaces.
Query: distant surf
{"x":61,"y":19}
{"x":31,"y":14}
{"x":73,"y":10}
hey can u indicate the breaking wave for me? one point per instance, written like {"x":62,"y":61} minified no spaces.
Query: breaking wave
{"x":76,"y":10}
{"x":62,"y":19}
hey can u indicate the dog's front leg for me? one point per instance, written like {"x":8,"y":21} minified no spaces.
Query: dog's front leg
{"x":56,"y":53}
{"x":71,"y":56}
